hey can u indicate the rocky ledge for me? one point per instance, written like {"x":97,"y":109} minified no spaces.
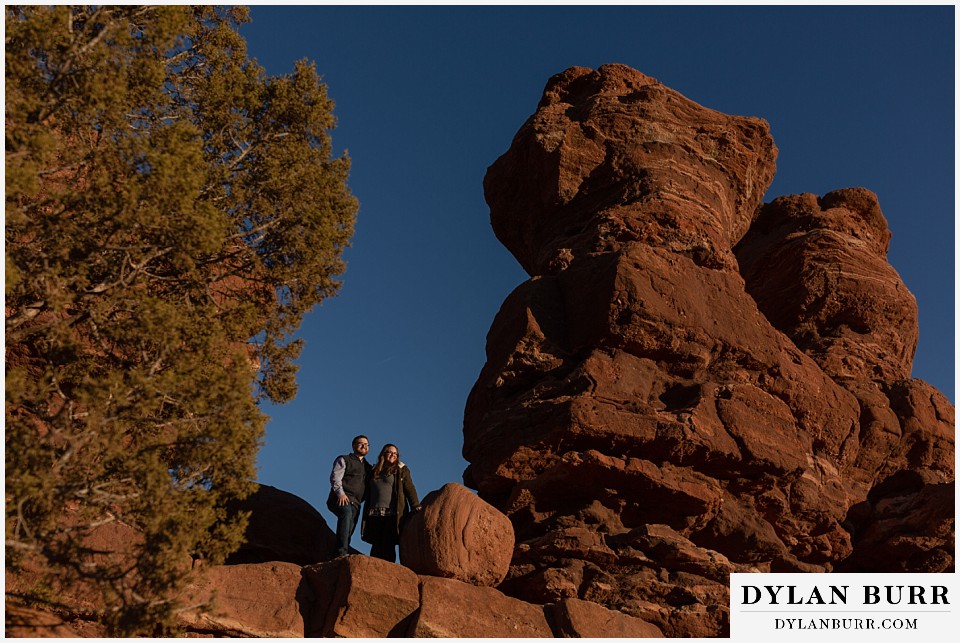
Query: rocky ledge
{"x":453,"y":552}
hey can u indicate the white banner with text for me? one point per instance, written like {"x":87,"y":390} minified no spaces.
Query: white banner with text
{"x":848,"y":607}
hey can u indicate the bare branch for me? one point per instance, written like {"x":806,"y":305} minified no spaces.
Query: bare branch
{"x":24,"y":315}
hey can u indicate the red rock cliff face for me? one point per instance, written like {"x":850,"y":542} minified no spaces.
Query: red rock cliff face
{"x":692,"y":383}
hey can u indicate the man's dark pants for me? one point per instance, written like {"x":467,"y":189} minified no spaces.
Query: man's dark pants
{"x":346,"y":524}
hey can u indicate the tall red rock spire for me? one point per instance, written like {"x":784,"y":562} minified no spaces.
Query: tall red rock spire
{"x":661,"y":406}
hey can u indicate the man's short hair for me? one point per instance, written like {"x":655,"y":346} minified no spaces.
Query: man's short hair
{"x":358,"y":438}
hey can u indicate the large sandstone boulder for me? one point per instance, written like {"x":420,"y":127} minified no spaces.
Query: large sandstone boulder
{"x":264,"y":600}
{"x":452,"y":609}
{"x":458,"y":535}
{"x":683,"y":355}
{"x":283,"y":527}
{"x":360,"y":596}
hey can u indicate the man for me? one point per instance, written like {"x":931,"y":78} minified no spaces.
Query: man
{"x":348,"y":488}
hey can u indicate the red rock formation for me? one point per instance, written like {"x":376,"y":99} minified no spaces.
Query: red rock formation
{"x":818,"y":271}
{"x":650,"y":374}
{"x":457,"y":535}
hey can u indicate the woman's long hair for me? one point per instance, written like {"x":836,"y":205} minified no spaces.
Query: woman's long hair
{"x":383,"y":467}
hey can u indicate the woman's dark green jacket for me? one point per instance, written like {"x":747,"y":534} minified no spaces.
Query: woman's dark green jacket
{"x":405,"y":498}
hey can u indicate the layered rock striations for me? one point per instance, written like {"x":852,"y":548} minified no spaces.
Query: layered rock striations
{"x":692,"y":382}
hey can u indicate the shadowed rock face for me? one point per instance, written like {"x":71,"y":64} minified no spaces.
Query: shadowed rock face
{"x":282,"y":527}
{"x":690,"y":383}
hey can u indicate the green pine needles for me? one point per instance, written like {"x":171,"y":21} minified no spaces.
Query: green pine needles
{"x":171,"y":215}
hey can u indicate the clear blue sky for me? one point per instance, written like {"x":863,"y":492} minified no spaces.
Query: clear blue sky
{"x":428,"y":97}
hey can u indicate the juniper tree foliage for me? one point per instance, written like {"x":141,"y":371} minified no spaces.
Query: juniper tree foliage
{"x":171,"y":215}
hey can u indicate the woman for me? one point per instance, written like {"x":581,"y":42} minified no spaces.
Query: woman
{"x":391,"y":497}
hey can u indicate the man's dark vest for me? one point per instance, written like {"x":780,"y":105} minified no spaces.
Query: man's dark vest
{"x":355,"y":478}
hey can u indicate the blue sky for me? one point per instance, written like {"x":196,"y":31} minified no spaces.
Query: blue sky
{"x":428,"y":97}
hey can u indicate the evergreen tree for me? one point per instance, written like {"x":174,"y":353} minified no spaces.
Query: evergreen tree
{"x":171,"y":215}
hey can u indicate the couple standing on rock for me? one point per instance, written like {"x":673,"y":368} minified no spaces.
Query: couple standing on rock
{"x":386,"y":492}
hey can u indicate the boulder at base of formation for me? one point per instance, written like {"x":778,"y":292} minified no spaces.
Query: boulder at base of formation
{"x":459,"y":536}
